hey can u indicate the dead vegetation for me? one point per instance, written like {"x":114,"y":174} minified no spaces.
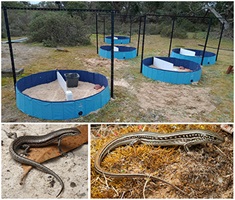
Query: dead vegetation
{"x":205,"y":172}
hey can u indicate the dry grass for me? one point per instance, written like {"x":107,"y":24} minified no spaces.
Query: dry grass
{"x":126,"y":107}
{"x":204,"y":172}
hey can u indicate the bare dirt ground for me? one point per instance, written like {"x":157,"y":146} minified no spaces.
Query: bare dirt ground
{"x":174,"y":99}
{"x":72,"y":168}
{"x":23,"y":54}
{"x":137,"y":99}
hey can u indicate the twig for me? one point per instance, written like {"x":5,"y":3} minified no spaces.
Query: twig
{"x":145,"y":184}
{"x":115,"y":191}
{"x":123,"y":195}
{"x":106,"y":181}
{"x":222,"y":152}
{"x":144,"y":128}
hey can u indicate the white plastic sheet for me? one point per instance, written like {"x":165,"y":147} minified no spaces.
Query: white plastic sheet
{"x":187,"y":52}
{"x":162,"y":64}
{"x":62,"y":83}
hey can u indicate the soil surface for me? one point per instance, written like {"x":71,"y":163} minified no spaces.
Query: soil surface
{"x":23,"y":54}
{"x":173,"y":99}
{"x":72,"y":168}
{"x":53,"y":92}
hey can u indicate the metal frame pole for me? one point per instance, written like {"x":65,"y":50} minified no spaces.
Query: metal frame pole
{"x":104,"y":30}
{"x":112,"y":53}
{"x":138,"y":43}
{"x":221,"y":34}
{"x":172,"y":33}
{"x":10,"y":46}
{"x":97,"y":37}
{"x":142,"y":54}
{"x":130,"y":27}
{"x":207,"y":36}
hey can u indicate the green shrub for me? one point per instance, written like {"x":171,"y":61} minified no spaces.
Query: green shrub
{"x":4,"y":35}
{"x":178,"y":32}
{"x":155,"y":28}
{"x":53,"y":29}
{"x":49,"y":43}
{"x":151,"y":29}
{"x":185,"y":24}
{"x":166,"y":31}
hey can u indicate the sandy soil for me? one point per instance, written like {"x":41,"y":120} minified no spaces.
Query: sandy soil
{"x":53,"y":92}
{"x":72,"y":168}
{"x":179,"y":103}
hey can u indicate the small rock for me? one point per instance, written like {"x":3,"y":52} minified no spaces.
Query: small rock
{"x":72,"y":184}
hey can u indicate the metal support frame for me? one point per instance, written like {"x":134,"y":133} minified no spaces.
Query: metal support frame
{"x":220,"y":38}
{"x":207,"y":36}
{"x":97,"y":36}
{"x":60,"y":9}
{"x":130,"y":16}
{"x":112,"y":53}
{"x":172,"y":33}
{"x":112,"y":34}
{"x":143,"y":40}
{"x":112,"y":12}
{"x":104,"y":29}
{"x":130,"y":27}
{"x":138,"y":43}
{"x":10,"y":45}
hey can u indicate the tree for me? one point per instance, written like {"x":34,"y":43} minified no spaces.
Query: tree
{"x":53,"y":29}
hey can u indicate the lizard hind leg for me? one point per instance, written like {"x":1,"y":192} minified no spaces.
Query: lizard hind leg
{"x":135,"y":141}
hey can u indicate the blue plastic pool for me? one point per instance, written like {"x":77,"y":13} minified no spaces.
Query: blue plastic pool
{"x":174,"y":77}
{"x":117,"y":40}
{"x":60,"y":110}
{"x":209,"y":57}
{"x":123,"y":53}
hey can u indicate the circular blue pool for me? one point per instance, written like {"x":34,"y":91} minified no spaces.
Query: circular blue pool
{"x":209,"y":57}
{"x":60,"y":110}
{"x":192,"y":73}
{"x":117,"y":40}
{"x":122,"y":53}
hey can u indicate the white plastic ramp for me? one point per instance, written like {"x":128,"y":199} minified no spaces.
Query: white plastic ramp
{"x":62,"y":83}
{"x":162,"y":64}
{"x":115,"y":48}
{"x":187,"y":52}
